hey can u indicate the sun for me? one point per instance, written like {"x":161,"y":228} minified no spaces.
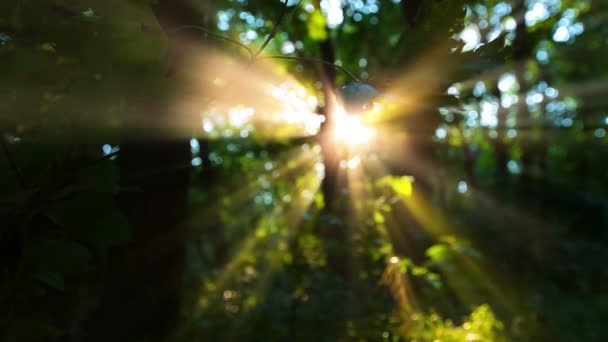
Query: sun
{"x":350,"y":130}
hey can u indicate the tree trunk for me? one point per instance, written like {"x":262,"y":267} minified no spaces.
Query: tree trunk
{"x":140,"y":299}
{"x":333,"y":229}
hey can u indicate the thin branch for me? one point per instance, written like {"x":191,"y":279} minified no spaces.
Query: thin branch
{"x":275,"y":28}
{"x":272,"y":34}
{"x":12,"y":163}
{"x":103,"y":158}
{"x":314,"y":60}
{"x":218,"y":36}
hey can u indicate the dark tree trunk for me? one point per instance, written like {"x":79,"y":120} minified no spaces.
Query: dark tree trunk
{"x":140,"y":300}
{"x":330,"y":158}
{"x":333,"y":229}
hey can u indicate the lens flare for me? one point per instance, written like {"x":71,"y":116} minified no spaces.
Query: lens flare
{"x":350,"y":130}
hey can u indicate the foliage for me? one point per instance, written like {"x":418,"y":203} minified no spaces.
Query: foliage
{"x":481,"y":325}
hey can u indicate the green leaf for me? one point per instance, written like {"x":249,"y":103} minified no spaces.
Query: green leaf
{"x":378,"y":217}
{"x":438,"y":253}
{"x":419,"y":271}
{"x":319,"y":201}
{"x":316,"y":26}
{"x":400,"y":185}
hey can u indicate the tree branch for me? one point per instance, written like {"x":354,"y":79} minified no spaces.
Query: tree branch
{"x":314,"y":60}
{"x":256,"y":55}
{"x":103,"y":158}
{"x":275,"y":28}
{"x":218,"y":36}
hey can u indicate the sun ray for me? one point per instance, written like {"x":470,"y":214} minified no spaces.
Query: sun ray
{"x":307,"y":181}
{"x":432,"y":218}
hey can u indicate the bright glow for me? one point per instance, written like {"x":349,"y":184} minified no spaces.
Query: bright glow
{"x":441,"y":133}
{"x":510,"y":24}
{"x":333,"y":12}
{"x":288,"y":47}
{"x":537,"y":12}
{"x":480,"y":89}
{"x":268,"y":105}
{"x":309,"y":8}
{"x":462,"y":187}
{"x":353,"y":162}
{"x":502,"y":9}
{"x":350,"y":130}
{"x":107,"y":149}
{"x":207,"y":125}
{"x":489,"y":114}
{"x":561,"y":34}
{"x":320,"y":168}
{"x":298,"y":107}
{"x":251,"y":34}
{"x":507,"y":83}
{"x":551,"y":92}
{"x":542,"y":56}
{"x":195,"y":146}
{"x":238,"y":116}
{"x":534,"y":98}
{"x":514,"y":167}
{"x":577,"y":29}
{"x":198,"y":161}
{"x":506,"y":100}
{"x":471,"y":38}
{"x":453,"y":90}
{"x":600,"y":133}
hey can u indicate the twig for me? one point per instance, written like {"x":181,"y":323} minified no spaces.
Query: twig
{"x":314,"y":60}
{"x":218,"y":36}
{"x":256,"y":55}
{"x":13,"y":164}
{"x":275,"y":27}
{"x":105,"y":157}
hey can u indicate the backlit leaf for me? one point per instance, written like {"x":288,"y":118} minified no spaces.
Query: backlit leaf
{"x":316,"y":26}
